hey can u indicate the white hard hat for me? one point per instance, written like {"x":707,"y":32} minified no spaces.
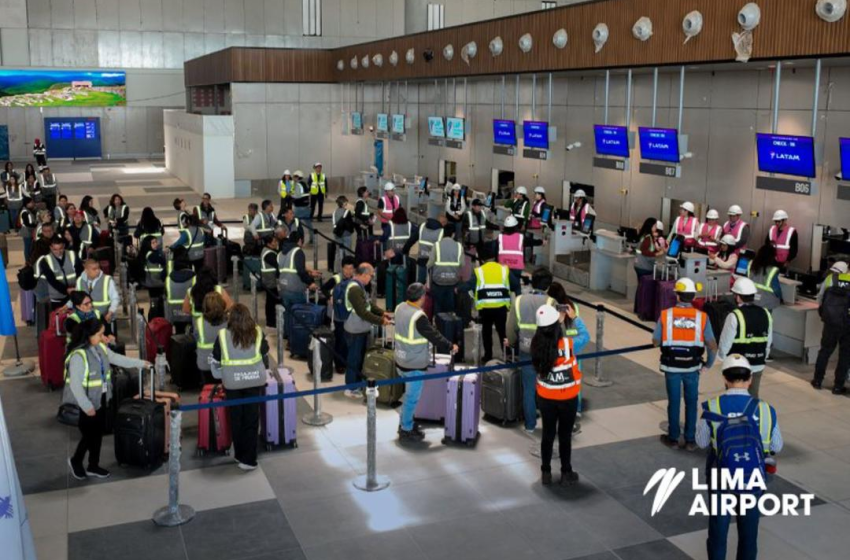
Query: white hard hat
{"x":728,"y":240}
{"x":456,"y":187}
{"x":712,"y":215}
{"x":298,"y":173}
{"x":735,"y":210}
{"x":780,"y":215}
{"x":390,"y":186}
{"x":580,"y":194}
{"x":733,"y":361}
{"x":317,"y":164}
{"x":689,"y":206}
{"x":546,"y":316}
{"x":540,"y":190}
{"x":840,"y":267}
{"x":744,"y":287}
{"x":659,"y":225}
{"x":286,"y":172}
{"x":510,"y":221}
{"x":685,"y":286}
{"x":522,"y":190}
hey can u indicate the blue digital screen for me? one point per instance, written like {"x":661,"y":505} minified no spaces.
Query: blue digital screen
{"x":383,"y":122}
{"x":535,"y":134}
{"x":844,"y":148}
{"x":436,"y":128}
{"x":455,"y":128}
{"x":356,"y":121}
{"x":67,"y":130}
{"x":611,"y":140}
{"x":504,"y":132}
{"x":55,"y":131}
{"x":788,"y":155}
{"x":398,"y":124}
{"x":660,"y":144}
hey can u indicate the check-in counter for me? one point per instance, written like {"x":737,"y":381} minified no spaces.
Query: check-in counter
{"x":797,"y":329}
{"x":612,"y":269}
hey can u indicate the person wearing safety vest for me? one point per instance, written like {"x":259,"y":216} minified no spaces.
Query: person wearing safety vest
{"x":49,"y":187}
{"x":182,"y":215}
{"x":492,"y":298}
{"x":88,"y":385}
{"x":285,"y":187}
{"x":241,"y":356}
{"x":80,"y":235}
{"x":684,"y":335}
{"x":834,"y":311}
{"x":60,"y":212}
{"x":301,"y":202}
{"x":510,"y":251}
{"x":179,"y":278}
{"x":208,"y":325}
{"x":725,"y":258}
{"x":205,"y":283}
{"x":294,"y":279}
{"x":414,"y":336}
{"x":737,"y":228}
{"x":289,"y":223}
{"x":520,"y":207}
{"x":397,"y":238}
{"x":762,"y":425}
{"x":537,"y":207}
{"x":149,"y":227}
{"x":361,"y":316}
{"x":709,"y":233}
{"x":263,"y":224}
{"x":343,"y":229}
{"x":14,"y":195}
{"x":29,"y":223}
{"x":455,"y":208}
{"x":444,"y":270}
{"x":783,"y":238}
{"x":686,"y":225}
{"x":318,"y":190}
{"x":363,"y":217}
{"x":475,"y":226}
{"x":208,"y":219}
{"x":558,"y":386}
{"x":334,"y":289}
{"x":387,"y":205}
{"x":249,"y":246}
{"x":117,"y":215}
{"x":191,"y":239}
{"x":427,"y":236}
{"x":747,"y":331}
{"x":763,"y":271}
{"x":580,"y":209}
{"x":268,"y":275}
{"x":57,"y":273}
{"x":82,"y":309}
{"x":155,"y":265}
{"x":105,"y":296}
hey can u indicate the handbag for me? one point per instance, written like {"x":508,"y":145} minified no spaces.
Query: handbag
{"x":69,"y":414}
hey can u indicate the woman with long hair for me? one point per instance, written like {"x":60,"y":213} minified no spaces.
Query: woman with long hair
{"x":241,"y":356}
{"x":90,"y":212}
{"x":9,"y":172}
{"x":553,"y":356}
{"x":205,"y":283}
{"x":648,"y":250}
{"x":764,"y":271}
{"x":29,"y":171}
{"x":117,"y":215}
{"x":88,"y":373}
{"x":207,"y":327}
{"x":148,"y":227}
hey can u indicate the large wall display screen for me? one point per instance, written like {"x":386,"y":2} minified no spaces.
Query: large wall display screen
{"x":73,"y":137}
{"x":436,"y":127}
{"x":844,"y":147}
{"x":535,"y":134}
{"x":788,"y":155}
{"x":455,"y":128}
{"x":611,"y":140}
{"x":62,"y":88}
{"x":504,"y":132}
{"x":659,"y":144}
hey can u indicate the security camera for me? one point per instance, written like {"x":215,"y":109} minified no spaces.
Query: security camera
{"x":839,"y":177}
{"x":749,"y":16}
{"x":686,"y":155}
{"x":573,"y":146}
{"x":428,"y":55}
{"x":831,"y":10}
{"x":642,"y":29}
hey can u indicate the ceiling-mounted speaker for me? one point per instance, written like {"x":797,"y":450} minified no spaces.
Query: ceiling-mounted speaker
{"x":449,"y":52}
{"x":469,"y":51}
{"x":749,"y":16}
{"x":560,"y":38}
{"x":394,"y":58}
{"x":364,"y":62}
{"x":354,"y":63}
{"x":831,"y":10}
{"x":642,"y":29}
{"x":496,"y":46}
{"x":600,"y":36}
{"x":692,"y":25}
{"x":525,"y":43}
{"x":410,"y":57}
{"x":378,"y":60}
{"x":340,"y":65}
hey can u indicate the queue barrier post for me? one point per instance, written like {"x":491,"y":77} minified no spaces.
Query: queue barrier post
{"x":141,"y":327}
{"x":123,"y":283}
{"x":371,"y":482}
{"x":131,"y":305}
{"x":280,"y":323}
{"x":237,"y":284}
{"x":317,"y":417}
{"x":255,"y":305}
{"x":598,"y":379}
{"x":317,"y":241}
{"x":175,"y":513}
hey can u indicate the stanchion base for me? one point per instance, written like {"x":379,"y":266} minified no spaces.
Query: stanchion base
{"x":362,"y":483}
{"x":594,"y":382}
{"x":166,"y":517}
{"x":18,"y":370}
{"x":320,"y":419}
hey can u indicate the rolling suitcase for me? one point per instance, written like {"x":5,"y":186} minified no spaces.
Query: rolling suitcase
{"x":5,"y":222}
{"x":367,"y":250}
{"x":215,"y":258}
{"x":251,"y":265}
{"x":27,"y":303}
{"x":432,"y":403}
{"x":326,"y":353}
{"x":380,"y":364}
{"x":396,"y":285}
{"x":51,"y":355}
{"x":463,"y":405}
{"x":451,"y":327}
{"x":140,"y":431}
{"x":183,"y":361}
{"x":124,"y":386}
{"x":665,"y":294}
{"x":473,"y":344}
{"x":213,"y":423}
{"x":305,"y":318}
{"x":157,"y":335}
{"x":501,"y":393}
{"x":279,"y":419}
{"x":42,"y":314}
{"x":645,"y":298}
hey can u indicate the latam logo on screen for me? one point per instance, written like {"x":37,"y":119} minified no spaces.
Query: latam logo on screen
{"x":785,"y":156}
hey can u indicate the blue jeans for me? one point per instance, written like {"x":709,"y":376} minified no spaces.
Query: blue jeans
{"x":529,"y":392}
{"x":748,"y":535}
{"x":675,"y":382}
{"x":412,"y":393}
{"x":444,"y":298}
{"x":356,"y":353}
{"x":289,"y":299}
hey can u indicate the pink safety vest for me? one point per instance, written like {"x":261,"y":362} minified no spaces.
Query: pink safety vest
{"x":582,"y":214}
{"x":687,"y":228}
{"x":534,"y":223}
{"x":390,"y":206}
{"x":510,"y":251}
{"x":712,"y":232}
{"x":782,"y":243}
{"x":735,"y":231}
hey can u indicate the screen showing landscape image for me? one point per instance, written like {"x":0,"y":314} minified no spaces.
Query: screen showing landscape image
{"x":62,"y":88}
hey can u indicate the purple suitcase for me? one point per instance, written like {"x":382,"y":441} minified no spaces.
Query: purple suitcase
{"x":645,"y":298}
{"x":665,"y":296}
{"x":432,"y":403}
{"x":279,"y":428}
{"x":27,"y":298}
{"x":463,"y":407}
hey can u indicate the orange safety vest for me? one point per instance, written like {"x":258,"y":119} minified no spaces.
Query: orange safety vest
{"x":564,"y":381}
{"x":682,"y":341}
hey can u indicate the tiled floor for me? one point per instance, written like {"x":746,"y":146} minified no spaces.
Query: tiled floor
{"x":444,"y":502}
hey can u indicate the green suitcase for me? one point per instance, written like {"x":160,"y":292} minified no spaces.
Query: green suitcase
{"x":380,"y":364}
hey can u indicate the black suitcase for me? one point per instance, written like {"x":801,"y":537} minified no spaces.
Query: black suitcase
{"x":501,"y":393}
{"x":124,"y":386}
{"x":717,"y":312}
{"x":140,"y":431}
{"x":183,"y":361}
{"x":451,"y":327}
{"x":327,"y":357}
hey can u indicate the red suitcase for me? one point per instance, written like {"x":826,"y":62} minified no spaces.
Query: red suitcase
{"x":213,"y":423}
{"x":57,"y":318}
{"x":51,"y":355}
{"x":158,"y":333}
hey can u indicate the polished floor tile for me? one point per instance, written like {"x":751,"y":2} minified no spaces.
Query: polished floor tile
{"x":480,"y":537}
{"x":48,"y":513}
{"x":694,"y":545}
{"x":133,"y":541}
{"x":553,"y":533}
{"x":655,"y":550}
{"x":390,"y":545}
{"x":52,"y":548}
{"x":823,"y":534}
{"x":306,"y":476}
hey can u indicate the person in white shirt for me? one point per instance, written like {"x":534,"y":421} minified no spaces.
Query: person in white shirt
{"x":102,"y":289}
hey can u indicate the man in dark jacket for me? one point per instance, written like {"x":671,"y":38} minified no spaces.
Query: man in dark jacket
{"x":359,"y":323}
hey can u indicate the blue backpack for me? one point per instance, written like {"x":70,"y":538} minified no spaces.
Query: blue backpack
{"x":739,"y":444}
{"x":340,"y":312}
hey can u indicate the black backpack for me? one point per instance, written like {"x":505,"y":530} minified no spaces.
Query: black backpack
{"x":26,"y":278}
{"x":835,"y":308}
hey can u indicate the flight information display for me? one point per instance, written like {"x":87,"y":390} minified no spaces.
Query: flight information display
{"x":659,"y":144}
{"x":504,"y":132}
{"x":436,"y":127}
{"x":787,"y":155}
{"x":536,"y":134}
{"x":611,"y":140}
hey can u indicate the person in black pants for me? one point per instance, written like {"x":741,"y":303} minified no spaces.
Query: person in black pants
{"x":833,"y":299}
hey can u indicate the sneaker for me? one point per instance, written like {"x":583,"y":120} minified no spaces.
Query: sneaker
{"x":839,"y":390}
{"x":578,"y":415}
{"x":576,"y":428}
{"x":353,"y":394}
{"x":691,"y":446}
{"x":671,"y":443}
{"x":817,"y":384}
{"x":529,"y":431}
{"x":410,"y":435}
{"x":247,"y":467}
{"x":97,"y":472}
{"x":546,"y":479}
{"x":77,"y":471}
{"x":569,"y":478}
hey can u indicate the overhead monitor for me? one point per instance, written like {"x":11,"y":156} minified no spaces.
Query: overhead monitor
{"x":611,"y":140}
{"x":844,"y":148}
{"x":455,"y":128}
{"x":536,"y":134}
{"x":436,"y":128}
{"x":787,"y":155}
{"x":659,"y":144}
{"x":398,"y":124}
{"x":357,"y":121}
{"x":383,"y":124}
{"x":504,"y":132}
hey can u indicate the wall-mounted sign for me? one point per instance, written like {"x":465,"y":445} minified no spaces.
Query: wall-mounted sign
{"x":660,"y":169}
{"x":530,"y":153}
{"x":608,"y":163}
{"x":62,"y":88}
{"x":793,"y":186}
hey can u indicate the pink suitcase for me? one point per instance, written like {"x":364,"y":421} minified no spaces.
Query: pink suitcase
{"x":463,"y":408}
{"x":279,"y":419}
{"x":213,"y":423}
{"x":432,"y":403}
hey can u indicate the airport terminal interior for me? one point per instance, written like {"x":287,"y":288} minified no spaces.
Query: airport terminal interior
{"x":639,"y":153}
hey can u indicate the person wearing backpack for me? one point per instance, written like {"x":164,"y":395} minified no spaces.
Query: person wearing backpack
{"x":834,"y":311}
{"x":742,"y":433}
{"x":334,"y":289}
